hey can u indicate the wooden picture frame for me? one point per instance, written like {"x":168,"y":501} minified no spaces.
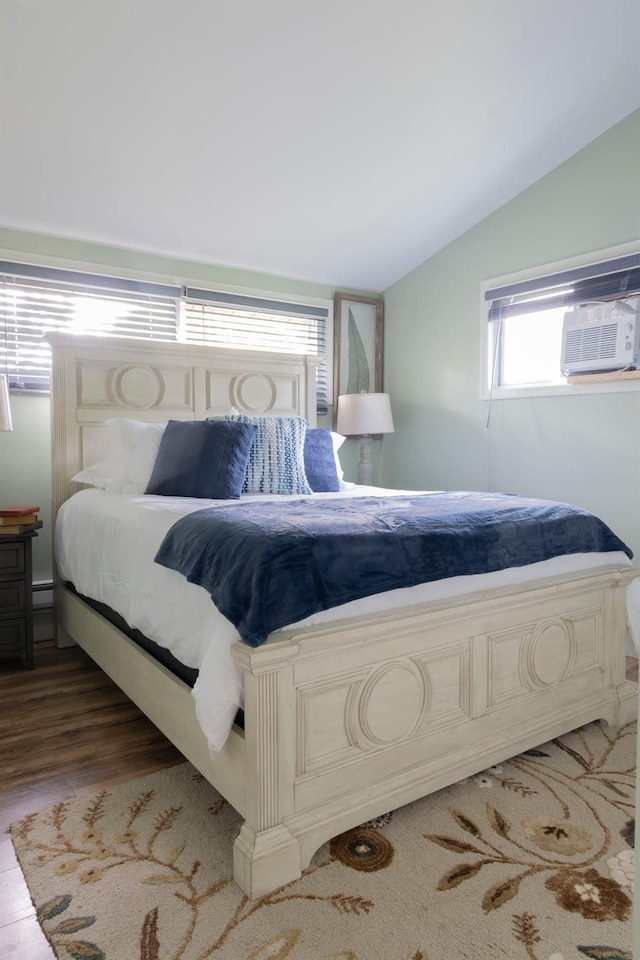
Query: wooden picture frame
{"x":357,"y":345}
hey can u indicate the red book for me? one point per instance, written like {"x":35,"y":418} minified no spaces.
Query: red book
{"x":17,"y":511}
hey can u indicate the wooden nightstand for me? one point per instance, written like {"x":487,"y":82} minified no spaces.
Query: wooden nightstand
{"x":16,"y":603}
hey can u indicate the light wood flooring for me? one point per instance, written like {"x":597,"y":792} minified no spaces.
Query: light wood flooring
{"x":65,"y":731}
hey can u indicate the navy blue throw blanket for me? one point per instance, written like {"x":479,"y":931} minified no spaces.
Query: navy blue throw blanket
{"x":267,"y":564}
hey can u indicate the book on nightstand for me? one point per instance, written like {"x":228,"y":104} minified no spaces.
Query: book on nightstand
{"x":11,"y":529}
{"x":15,"y":520}
{"x":9,"y":521}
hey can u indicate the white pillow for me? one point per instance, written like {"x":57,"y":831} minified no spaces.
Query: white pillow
{"x":135,"y":444}
{"x":337,"y":440}
{"x":107,"y":474}
{"x":138,"y":443}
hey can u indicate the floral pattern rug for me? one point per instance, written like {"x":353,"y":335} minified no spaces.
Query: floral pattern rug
{"x":531,"y":860}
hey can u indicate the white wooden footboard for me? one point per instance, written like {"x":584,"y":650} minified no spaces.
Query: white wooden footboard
{"x":347,"y":722}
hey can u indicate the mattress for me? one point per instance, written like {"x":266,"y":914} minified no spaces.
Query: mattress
{"x":105,"y":546}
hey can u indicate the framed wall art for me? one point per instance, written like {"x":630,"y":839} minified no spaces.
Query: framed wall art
{"x":357,"y":345}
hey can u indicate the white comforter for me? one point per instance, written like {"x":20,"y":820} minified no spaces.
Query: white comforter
{"x":105,"y":544}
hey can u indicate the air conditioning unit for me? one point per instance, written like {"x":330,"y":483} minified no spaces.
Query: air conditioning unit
{"x":599,"y":337}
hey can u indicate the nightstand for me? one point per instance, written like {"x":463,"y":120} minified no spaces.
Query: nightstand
{"x":16,"y":603}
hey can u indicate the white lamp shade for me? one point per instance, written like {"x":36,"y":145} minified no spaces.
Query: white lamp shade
{"x":364,"y":414}
{"x":5,"y":409}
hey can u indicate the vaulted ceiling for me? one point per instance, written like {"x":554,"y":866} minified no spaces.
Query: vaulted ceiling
{"x":333,"y":141}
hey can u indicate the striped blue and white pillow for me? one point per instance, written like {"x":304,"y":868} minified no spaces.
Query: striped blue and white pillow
{"x":276,"y":458}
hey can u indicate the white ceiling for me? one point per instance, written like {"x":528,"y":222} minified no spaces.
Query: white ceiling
{"x":333,"y":141}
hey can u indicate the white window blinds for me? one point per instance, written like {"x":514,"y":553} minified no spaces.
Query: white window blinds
{"x":222,"y":319}
{"x":605,"y":280}
{"x":35,"y":301}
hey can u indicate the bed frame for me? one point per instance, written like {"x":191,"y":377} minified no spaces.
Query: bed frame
{"x":349,"y":720}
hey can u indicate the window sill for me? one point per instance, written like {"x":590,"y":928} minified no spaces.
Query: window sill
{"x":593,"y":383}
{"x":586,"y":378}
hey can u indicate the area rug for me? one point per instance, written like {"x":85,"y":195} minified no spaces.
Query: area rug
{"x":531,"y":859}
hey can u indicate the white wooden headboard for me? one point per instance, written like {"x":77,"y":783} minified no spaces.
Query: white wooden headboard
{"x":97,"y":378}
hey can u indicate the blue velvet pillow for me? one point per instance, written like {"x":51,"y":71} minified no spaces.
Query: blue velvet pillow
{"x":202,"y":458}
{"x":319,"y":461}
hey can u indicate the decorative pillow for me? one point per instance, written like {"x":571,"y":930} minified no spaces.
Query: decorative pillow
{"x":202,"y":458}
{"x":138,"y":443}
{"x":319,"y":461}
{"x":276,"y":459}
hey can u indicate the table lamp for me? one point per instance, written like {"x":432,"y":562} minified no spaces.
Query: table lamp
{"x":5,"y":409}
{"x":364,"y":415}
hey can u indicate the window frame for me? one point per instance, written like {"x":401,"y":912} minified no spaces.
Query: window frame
{"x":488,"y":332}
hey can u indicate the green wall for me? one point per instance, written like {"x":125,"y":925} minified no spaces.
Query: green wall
{"x":585,"y":449}
{"x":25,"y":461}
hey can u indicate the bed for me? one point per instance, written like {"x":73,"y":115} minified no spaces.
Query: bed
{"x":353,"y":715}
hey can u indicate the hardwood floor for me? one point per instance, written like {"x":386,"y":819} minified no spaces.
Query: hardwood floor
{"x":65,"y":731}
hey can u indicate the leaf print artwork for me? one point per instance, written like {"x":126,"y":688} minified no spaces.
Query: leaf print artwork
{"x":359,"y":376}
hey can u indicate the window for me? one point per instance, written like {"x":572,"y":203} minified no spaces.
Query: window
{"x":228,"y":320}
{"x":35,"y":301}
{"x":523,"y":342}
